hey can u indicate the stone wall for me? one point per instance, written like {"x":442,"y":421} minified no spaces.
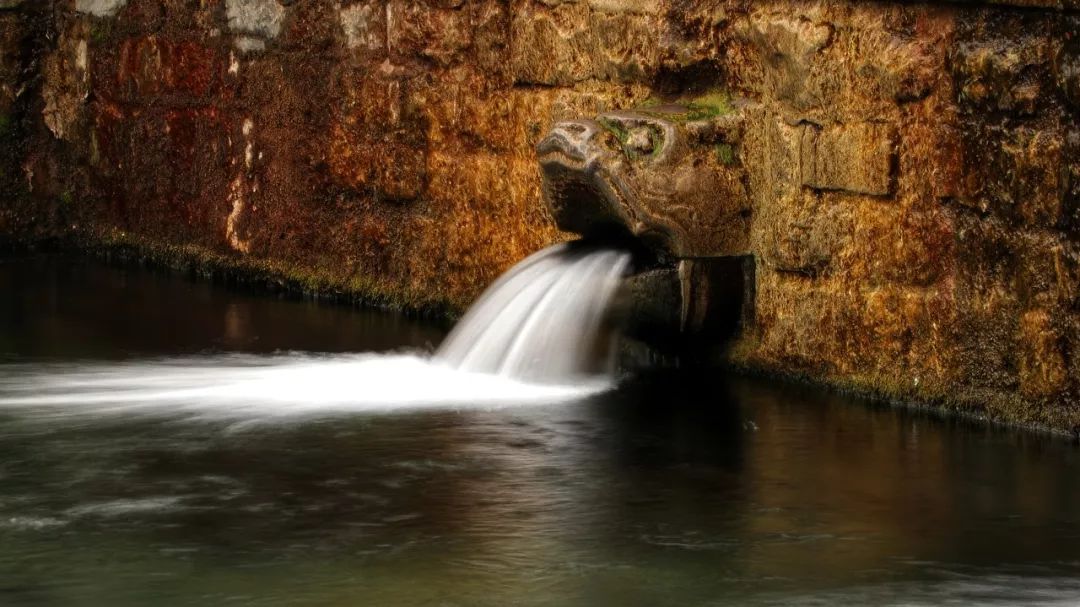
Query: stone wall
{"x":381,"y":146}
{"x":21,"y":26}
{"x":913,"y":167}
{"x":916,"y":174}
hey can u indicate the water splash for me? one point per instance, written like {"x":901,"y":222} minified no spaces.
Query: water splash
{"x":241,"y":386}
{"x":531,"y":339}
{"x":542,"y":321}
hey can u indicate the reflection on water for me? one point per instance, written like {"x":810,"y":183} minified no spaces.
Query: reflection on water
{"x":69,"y":310}
{"x":675,"y":488}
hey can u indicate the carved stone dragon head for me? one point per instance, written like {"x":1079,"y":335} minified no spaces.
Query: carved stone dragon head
{"x":668,"y":175}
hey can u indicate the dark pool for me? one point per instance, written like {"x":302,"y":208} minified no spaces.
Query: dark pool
{"x":676,"y":488}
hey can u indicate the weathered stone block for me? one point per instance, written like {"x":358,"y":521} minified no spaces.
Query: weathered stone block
{"x":416,"y":30}
{"x":1070,"y":173}
{"x":312,"y":28}
{"x":491,"y":39}
{"x":804,"y":234}
{"x":66,"y":85}
{"x":570,"y":43}
{"x":1067,"y":70}
{"x":1065,"y":278}
{"x":788,"y":47}
{"x":470,"y":180}
{"x":804,"y":323}
{"x":1043,"y":368}
{"x":11,"y":39}
{"x":832,"y":63}
{"x":626,"y":6}
{"x":891,"y":245}
{"x":893,"y":319}
{"x":990,"y":76}
{"x":480,"y":191}
{"x":855,"y":158}
{"x":551,"y":47}
{"x":185,"y":145}
{"x":377,"y":142}
{"x":1022,"y":175}
{"x":255,"y":17}
{"x":772,"y":149}
{"x":928,"y":317}
{"x":626,"y":46}
{"x":100,"y":8}
{"x":897,"y":68}
{"x":108,"y":137}
{"x":1038,"y":177}
{"x":151,"y":66}
{"x":364,"y":25}
{"x":461,"y":115}
{"x":1040,"y":266}
{"x":986,"y":346}
{"x":930,"y":154}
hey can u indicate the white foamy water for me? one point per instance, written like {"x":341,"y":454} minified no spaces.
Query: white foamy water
{"x":543,"y":320}
{"x":529,"y":340}
{"x":239,"y":386}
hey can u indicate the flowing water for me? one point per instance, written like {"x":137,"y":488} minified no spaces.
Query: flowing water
{"x":537,"y":336}
{"x":172,"y":443}
{"x":543,"y":320}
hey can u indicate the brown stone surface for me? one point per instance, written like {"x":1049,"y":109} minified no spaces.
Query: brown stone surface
{"x":912,"y":170}
{"x":855,"y":158}
{"x":932,"y":219}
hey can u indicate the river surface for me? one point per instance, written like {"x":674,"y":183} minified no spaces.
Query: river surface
{"x":673,"y":488}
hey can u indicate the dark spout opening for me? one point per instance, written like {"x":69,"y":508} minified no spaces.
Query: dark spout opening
{"x":691,"y":309}
{"x":644,"y":255}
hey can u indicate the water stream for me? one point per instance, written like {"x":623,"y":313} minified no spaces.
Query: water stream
{"x":536,"y":336}
{"x":543,"y":321}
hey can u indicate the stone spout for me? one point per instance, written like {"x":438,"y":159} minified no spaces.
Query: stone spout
{"x":669,"y":176}
{"x":577,"y":183}
{"x":668,"y":181}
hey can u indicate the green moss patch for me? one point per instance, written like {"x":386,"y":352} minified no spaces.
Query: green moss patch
{"x":725,"y":153}
{"x":615,"y":129}
{"x":710,"y":105}
{"x":701,"y":107}
{"x":101,"y":32}
{"x":623,"y":136}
